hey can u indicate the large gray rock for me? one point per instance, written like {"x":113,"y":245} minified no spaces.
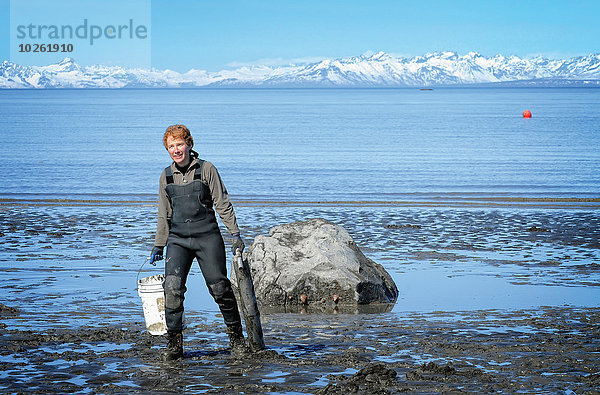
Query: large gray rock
{"x":318,"y":261}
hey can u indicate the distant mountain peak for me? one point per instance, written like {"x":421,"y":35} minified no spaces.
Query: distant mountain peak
{"x":65,"y":65}
{"x":473,"y":55}
{"x":381,"y":56}
{"x":379,"y":69}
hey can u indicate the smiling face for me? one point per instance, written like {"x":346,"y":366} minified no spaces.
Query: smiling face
{"x":179,"y":151}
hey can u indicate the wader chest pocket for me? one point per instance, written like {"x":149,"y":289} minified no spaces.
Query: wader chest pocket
{"x":188,"y":208}
{"x":198,"y":186}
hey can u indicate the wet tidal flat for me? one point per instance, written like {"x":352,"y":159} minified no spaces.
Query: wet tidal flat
{"x":490,"y":300}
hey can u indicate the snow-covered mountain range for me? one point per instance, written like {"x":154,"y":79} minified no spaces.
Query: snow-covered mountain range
{"x":378,"y":70}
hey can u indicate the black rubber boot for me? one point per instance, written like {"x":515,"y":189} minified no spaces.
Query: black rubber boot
{"x":236,"y":341}
{"x":174,"y":348}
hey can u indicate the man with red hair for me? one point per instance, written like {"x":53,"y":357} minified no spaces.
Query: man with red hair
{"x":188,"y":190}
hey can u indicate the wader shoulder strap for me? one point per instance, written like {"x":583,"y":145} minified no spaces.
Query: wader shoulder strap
{"x":169,"y":174}
{"x":198,"y":172}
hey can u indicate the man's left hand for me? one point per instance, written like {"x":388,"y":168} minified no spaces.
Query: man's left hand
{"x":238,"y":243}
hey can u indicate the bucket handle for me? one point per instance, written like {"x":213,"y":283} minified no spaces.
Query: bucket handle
{"x":137,"y":280}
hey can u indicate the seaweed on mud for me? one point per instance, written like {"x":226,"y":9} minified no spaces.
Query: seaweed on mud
{"x":6,"y":310}
{"x":375,"y":378}
{"x":446,"y":373}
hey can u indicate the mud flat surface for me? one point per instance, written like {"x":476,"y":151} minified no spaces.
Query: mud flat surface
{"x":547,"y":350}
{"x":491,"y":300}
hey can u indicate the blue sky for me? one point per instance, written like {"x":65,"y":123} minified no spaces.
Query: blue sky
{"x":215,"y":35}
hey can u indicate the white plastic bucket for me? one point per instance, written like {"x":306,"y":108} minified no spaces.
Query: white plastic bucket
{"x":151,"y":291}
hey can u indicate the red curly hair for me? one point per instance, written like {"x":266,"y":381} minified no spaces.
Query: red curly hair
{"x":178,"y":132}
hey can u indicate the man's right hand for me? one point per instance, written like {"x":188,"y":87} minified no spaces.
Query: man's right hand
{"x":156,"y":255}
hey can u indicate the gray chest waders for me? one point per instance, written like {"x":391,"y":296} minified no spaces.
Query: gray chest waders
{"x":191,"y":204}
{"x":194,"y":233}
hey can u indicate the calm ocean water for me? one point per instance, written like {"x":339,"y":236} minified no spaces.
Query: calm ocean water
{"x":321,"y":144}
{"x":397,"y":145}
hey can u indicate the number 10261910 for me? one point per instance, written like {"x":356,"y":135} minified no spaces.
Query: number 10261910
{"x":45,"y":47}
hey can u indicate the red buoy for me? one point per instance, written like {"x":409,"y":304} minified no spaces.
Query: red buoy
{"x":526,"y":114}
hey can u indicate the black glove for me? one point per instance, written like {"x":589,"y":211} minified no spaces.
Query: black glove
{"x":237,"y":243}
{"x":156,"y":255}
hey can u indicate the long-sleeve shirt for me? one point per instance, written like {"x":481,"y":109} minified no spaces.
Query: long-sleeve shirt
{"x":220,"y":197}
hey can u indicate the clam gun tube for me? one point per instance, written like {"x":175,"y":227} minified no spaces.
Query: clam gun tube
{"x":248,"y":302}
